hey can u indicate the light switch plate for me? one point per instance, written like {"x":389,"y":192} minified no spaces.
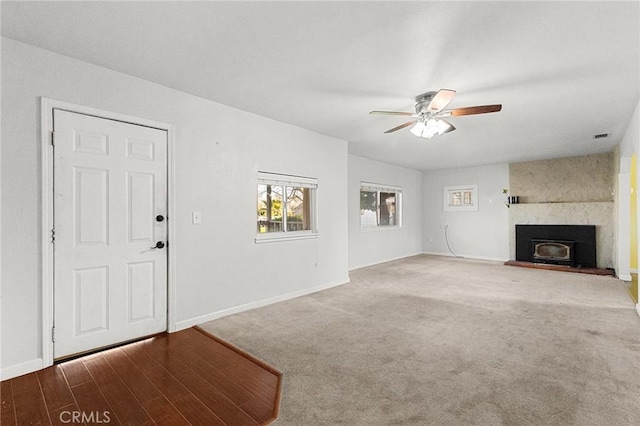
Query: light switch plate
{"x":196,"y":218}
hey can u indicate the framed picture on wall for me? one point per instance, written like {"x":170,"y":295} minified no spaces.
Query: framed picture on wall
{"x":461,"y":198}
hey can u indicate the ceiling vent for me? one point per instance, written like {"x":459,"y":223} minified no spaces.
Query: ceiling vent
{"x":601,"y":136}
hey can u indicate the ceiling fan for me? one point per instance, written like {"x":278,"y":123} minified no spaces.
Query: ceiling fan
{"x":430,"y":110}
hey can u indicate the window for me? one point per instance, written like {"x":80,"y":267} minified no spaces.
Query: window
{"x":379,"y":205}
{"x":461,"y":198}
{"x":285,"y":207}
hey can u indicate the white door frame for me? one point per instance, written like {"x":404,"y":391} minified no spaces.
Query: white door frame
{"x":46,"y":111}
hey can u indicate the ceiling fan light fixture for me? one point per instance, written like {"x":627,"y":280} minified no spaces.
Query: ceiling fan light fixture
{"x":418,"y":129}
{"x":432,"y":127}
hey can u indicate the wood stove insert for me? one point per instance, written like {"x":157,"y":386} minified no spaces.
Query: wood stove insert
{"x":555,"y":252}
{"x":569,"y":245}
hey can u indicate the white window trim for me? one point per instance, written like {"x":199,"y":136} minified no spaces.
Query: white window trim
{"x":377,"y":187}
{"x":285,"y":236}
{"x":379,"y":228}
{"x":287,"y":180}
{"x":448,"y":190}
{"x":370,"y":186}
{"x":268,"y":178}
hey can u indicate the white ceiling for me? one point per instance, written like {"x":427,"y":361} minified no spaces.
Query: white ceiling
{"x":563,"y":71}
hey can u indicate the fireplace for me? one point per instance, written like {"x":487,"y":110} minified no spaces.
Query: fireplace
{"x":556,"y":252}
{"x":571,"y":245}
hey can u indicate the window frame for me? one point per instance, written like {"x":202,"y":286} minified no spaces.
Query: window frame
{"x":448,"y":195}
{"x":378,"y":189}
{"x":289,"y":181}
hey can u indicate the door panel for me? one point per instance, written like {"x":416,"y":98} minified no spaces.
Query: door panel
{"x":140,"y":205}
{"x":91,"y":142}
{"x":141,"y":285}
{"x":110,"y":285}
{"x":90,"y":302}
{"x":91,"y":199}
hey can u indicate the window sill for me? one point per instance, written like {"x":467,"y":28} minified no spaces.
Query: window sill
{"x":461,"y":209}
{"x":280,"y":236}
{"x":379,"y":228}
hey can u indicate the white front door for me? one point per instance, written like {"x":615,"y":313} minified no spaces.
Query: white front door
{"x":110,"y":212}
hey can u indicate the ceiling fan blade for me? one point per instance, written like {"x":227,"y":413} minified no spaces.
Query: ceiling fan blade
{"x":451,"y":126}
{"x":402,"y":126}
{"x":441,"y":100}
{"x":483,"y":109}
{"x":392,"y":113}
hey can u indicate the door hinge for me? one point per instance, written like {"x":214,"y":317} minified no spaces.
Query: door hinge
{"x":53,"y":235}
{"x":53,"y":334}
{"x":52,"y":138}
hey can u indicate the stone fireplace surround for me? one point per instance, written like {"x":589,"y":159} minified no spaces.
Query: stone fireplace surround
{"x":599,"y":214}
{"x":566,"y":191}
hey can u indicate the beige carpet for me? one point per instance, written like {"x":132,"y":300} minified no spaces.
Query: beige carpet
{"x":443,"y":341}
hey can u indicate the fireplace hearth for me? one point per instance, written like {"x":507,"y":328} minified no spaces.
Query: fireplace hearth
{"x":568,"y":245}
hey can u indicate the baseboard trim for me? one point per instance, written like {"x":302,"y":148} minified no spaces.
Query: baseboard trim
{"x":465,"y":256}
{"x":20,"y":369}
{"x":181,"y":325}
{"x":624,"y":277}
{"x":366,"y":265}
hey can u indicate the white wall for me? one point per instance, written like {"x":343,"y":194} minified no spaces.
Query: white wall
{"x":482,"y":234}
{"x":631,"y":139}
{"x":629,"y":145}
{"x":218,"y":151}
{"x":370,"y":246}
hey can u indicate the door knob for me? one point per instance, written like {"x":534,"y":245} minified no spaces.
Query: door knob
{"x":158,"y":245}
{"x":159,"y":218}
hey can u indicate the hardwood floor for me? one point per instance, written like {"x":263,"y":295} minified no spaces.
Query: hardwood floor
{"x":188,"y":377}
